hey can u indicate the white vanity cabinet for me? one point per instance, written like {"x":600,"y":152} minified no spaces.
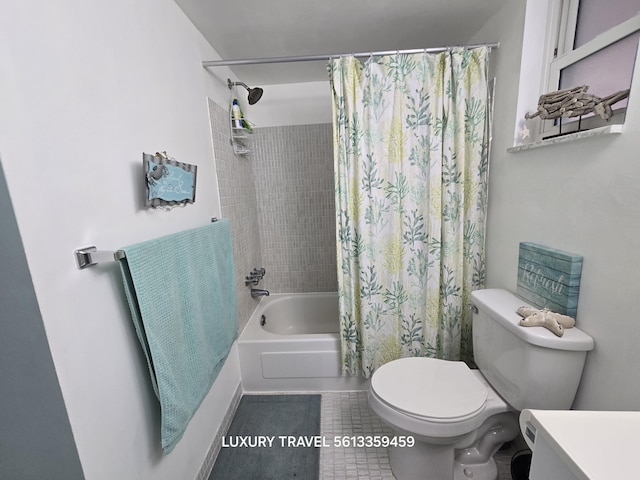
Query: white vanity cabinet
{"x":582,"y":445}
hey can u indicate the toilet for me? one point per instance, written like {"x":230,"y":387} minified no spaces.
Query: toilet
{"x":460,"y":417}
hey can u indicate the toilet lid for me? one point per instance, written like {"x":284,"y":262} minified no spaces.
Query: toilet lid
{"x":439,"y":390}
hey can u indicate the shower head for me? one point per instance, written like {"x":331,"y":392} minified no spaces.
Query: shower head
{"x":254,"y":93}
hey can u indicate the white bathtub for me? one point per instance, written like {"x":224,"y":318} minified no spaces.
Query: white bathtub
{"x":297,"y":348}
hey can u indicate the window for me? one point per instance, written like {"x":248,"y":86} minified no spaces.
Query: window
{"x":595,"y":45}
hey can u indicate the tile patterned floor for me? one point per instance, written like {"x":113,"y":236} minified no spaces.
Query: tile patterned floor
{"x":348,"y":414}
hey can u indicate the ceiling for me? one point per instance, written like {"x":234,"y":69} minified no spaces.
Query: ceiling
{"x":275,"y":28}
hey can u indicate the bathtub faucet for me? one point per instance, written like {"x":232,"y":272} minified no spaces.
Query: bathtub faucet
{"x":256,"y":292}
{"x":255,"y":276}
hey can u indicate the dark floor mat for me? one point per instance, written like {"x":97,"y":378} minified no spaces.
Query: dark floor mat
{"x":247,"y":453}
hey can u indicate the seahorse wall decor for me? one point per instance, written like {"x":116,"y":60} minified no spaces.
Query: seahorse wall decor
{"x":157,"y":173}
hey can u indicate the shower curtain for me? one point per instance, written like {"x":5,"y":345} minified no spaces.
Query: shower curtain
{"x":411,"y":165}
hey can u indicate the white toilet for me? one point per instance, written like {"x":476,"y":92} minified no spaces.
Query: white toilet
{"x":460,"y":417}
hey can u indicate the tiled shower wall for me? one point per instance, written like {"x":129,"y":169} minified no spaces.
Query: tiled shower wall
{"x":280,"y":203}
{"x":238,"y":202}
{"x":293,"y":171}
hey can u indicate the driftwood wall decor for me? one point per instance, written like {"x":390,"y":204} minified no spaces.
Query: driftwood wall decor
{"x":575,"y":102}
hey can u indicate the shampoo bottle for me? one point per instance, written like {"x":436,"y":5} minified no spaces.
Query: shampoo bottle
{"x":236,"y":114}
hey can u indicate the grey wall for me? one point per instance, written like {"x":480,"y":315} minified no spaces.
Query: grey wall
{"x":35,"y":436}
{"x":280,"y":202}
{"x":293,"y":171}
{"x":239,"y":204}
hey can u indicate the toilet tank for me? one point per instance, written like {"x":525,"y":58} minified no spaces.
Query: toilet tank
{"x":530,"y":367}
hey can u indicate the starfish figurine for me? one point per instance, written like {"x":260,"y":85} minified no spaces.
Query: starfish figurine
{"x":524,"y":133}
{"x":552,"y":321}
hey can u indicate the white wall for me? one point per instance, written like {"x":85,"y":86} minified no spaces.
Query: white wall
{"x":86,"y":87}
{"x":36,"y":439}
{"x":292,"y":104}
{"x":580,"y":197}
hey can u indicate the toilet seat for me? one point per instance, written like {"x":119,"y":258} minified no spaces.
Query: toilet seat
{"x":437,"y":391}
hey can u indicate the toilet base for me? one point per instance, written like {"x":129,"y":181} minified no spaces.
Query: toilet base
{"x":437,"y":464}
{"x":482,"y":471}
{"x":468,"y":457}
{"x":422,"y":462}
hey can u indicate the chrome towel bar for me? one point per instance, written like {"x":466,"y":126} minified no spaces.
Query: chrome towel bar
{"x":89,"y":256}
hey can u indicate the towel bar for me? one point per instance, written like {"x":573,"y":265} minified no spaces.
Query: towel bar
{"x":88,"y":256}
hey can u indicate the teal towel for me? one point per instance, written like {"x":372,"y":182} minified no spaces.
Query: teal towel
{"x":182,"y":296}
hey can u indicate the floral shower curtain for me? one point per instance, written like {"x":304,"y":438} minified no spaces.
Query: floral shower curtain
{"x":411,"y":166}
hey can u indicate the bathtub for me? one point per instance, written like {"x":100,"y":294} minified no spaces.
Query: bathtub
{"x":291,"y":343}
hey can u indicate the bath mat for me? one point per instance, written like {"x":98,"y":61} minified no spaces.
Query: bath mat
{"x":268,"y":438}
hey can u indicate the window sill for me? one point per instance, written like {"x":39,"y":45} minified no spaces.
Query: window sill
{"x":571,"y":137}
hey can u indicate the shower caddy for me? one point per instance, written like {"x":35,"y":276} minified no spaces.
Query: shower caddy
{"x":239,"y":125}
{"x":239,"y":137}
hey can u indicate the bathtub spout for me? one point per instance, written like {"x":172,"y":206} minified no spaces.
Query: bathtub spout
{"x":256,"y":292}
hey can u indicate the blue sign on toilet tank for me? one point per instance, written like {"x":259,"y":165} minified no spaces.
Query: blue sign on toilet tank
{"x":549,"y":278}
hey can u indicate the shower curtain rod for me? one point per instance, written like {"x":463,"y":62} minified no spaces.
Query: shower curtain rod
{"x":311,"y":58}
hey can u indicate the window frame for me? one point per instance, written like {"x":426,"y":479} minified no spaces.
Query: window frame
{"x":564,"y":15}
